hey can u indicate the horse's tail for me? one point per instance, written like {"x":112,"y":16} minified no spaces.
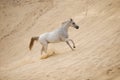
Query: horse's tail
{"x":32,"y":42}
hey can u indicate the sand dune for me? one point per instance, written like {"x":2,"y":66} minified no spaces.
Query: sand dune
{"x":97,"y":53}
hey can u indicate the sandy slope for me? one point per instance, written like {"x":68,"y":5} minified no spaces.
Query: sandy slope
{"x":97,"y":56}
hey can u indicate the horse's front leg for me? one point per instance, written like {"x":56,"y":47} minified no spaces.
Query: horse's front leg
{"x":72,"y":43}
{"x":67,"y":41}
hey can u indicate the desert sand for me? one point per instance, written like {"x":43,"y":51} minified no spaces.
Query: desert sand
{"x":97,"y":52}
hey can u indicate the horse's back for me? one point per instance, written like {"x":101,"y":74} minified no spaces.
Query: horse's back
{"x":55,"y":36}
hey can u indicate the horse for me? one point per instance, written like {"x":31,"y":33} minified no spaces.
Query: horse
{"x":58,"y":35}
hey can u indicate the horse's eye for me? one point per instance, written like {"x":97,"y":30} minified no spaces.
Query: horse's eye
{"x":73,"y":23}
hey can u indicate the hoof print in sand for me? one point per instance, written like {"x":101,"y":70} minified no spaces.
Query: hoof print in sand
{"x":109,"y":71}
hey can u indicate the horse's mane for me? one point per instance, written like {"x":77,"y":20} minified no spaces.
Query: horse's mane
{"x":63,"y":23}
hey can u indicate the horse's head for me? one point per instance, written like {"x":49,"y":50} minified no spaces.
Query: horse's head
{"x":73,"y":24}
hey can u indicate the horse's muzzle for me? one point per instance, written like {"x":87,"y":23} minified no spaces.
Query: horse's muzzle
{"x":77,"y":27}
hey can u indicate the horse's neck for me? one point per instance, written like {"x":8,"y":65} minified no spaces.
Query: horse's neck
{"x":65,"y":26}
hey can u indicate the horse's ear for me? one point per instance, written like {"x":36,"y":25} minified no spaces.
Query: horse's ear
{"x":71,"y":19}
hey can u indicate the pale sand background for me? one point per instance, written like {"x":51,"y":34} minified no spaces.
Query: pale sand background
{"x":97,"y":56}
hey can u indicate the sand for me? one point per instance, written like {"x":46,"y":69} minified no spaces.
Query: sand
{"x":97,"y":52}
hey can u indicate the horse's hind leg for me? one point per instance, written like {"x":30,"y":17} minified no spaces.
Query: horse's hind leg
{"x":45,"y":48}
{"x":42,"y":49}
